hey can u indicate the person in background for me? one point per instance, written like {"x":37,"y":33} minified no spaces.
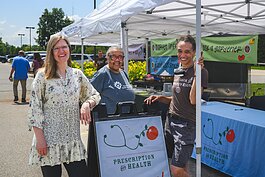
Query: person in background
{"x":112,"y":82}
{"x":57,"y":93}
{"x":37,"y":62}
{"x":182,"y":110}
{"x":20,"y":66}
{"x":99,"y":61}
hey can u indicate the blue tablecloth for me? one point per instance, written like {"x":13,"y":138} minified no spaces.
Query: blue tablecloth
{"x":233,"y":139}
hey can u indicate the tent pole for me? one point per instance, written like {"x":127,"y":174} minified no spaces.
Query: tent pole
{"x":198,"y":89}
{"x":124,"y":45}
{"x":126,"y":53}
{"x":82,"y":56}
{"x":95,"y":47}
{"x":146,"y":54}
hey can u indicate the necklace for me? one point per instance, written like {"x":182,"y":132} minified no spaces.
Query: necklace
{"x":64,"y":81}
{"x":61,"y":77}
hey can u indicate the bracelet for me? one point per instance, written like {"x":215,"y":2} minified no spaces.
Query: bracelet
{"x":194,"y":75}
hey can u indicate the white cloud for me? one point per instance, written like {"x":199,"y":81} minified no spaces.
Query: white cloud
{"x":11,"y":35}
{"x":74,"y":17}
{"x":2,"y":22}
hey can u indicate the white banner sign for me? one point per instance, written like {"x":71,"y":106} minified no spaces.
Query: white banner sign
{"x":132,"y":148}
{"x":136,"y":52}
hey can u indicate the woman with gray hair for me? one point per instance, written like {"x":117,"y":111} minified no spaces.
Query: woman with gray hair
{"x":112,"y":82}
{"x":113,"y":85}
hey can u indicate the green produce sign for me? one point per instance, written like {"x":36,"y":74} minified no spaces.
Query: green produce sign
{"x":233,"y":49}
{"x":163,"y":47}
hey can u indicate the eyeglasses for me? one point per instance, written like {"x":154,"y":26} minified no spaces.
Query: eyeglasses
{"x":115,"y":57}
{"x":56,"y":49}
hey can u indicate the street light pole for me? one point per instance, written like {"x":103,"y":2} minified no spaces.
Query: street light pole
{"x":30,"y":28}
{"x":21,"y":35}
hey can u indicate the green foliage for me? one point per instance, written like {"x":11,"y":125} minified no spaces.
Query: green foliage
{"x":258,"y":67}
{"x":76,"y":65}
{"x":90,"y":49}
{"x":137,"y":70}
{"x":37,"y":48}
{"x":5,"y":48}
{"x":89,"y":68}
{"x":51,"y":23}
{"x":258,"y":88}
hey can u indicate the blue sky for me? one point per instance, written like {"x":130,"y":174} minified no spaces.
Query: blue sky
{"x":15,"y":15}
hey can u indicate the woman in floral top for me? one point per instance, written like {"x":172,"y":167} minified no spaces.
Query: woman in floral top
{"x":55,"y":115}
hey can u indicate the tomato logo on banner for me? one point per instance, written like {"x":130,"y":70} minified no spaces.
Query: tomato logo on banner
{"x":151,"y":133}
{"x":228,"y":133}
{"x":132,"y":147}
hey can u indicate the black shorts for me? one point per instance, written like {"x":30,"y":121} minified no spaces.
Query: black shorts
{"x":183,"y":133}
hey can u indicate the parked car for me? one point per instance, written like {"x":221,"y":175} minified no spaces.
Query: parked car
{"x":32,"y":52}
{"x":10,"y":57}
{"x":77,"y":57}
{"x":3,"y":59}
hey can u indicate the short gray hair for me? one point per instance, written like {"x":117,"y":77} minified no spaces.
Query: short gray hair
{"x":112,"y":48}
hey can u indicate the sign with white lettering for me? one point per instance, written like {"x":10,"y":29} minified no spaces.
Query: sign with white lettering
{"x":136,"y":52}
{"x":233,"y":49}
{"x":132,"y":147}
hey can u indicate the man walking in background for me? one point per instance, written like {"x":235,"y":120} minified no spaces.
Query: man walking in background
{"x":21,"y":67}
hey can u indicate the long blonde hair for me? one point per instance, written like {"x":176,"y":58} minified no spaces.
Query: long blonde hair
{"x":50,"y":66}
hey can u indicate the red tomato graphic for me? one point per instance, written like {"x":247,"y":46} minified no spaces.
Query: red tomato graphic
{"x":230,"y":136}
{"x":152,"y":133}
{"x":241,"y":57}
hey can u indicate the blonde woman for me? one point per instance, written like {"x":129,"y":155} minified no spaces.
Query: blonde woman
{"x":55,"y":115}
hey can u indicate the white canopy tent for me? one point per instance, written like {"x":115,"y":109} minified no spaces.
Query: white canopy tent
{"x":133,"y":21}
{"x":155,"y":19}
{"x":149,"y":19}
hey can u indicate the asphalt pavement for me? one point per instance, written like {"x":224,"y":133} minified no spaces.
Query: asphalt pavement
{"x":16,"y":139}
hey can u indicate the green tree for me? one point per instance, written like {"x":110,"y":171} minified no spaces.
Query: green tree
{"x":2,"y":47}
{"x":51,"y":23}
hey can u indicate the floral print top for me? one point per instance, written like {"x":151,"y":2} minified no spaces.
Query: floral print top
{"x":54,"y":108}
